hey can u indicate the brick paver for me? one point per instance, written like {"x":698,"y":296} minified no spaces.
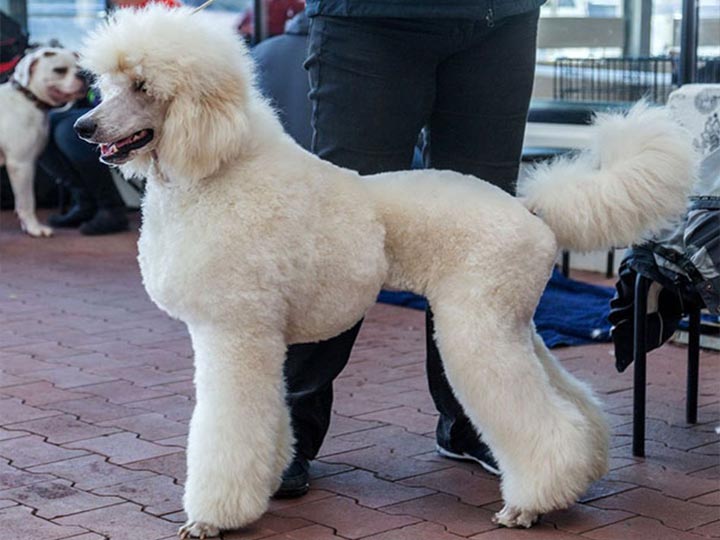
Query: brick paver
{"x":314,"y":532}
{"x":368,"y":490}
{"x":457,"y":517}
{"x":19,"y":523}
{"x":57,"y":499}
{"x":96,"y":393}
{"x":91,"y":472}
{"x":157,"y":495}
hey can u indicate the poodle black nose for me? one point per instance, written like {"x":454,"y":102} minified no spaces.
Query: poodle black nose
{"x":85,"y":127}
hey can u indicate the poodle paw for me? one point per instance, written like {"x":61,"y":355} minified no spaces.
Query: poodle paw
{"x":512,"y":516}
{"x":197,"y":529}
{"x":37,"y":230}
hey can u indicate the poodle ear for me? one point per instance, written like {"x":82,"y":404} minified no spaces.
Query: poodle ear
{"x":200,"y":135}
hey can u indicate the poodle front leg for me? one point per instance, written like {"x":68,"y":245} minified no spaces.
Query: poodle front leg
{"x":240,"y":438}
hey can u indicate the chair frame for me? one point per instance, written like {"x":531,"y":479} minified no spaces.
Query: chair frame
{"x":642,"y":286}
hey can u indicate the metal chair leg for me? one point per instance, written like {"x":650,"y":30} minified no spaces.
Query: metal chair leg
{"x":610,"y":268}
{"x":693,"y":367}
{"x":642,"y":284}
{"x":565,"y":269}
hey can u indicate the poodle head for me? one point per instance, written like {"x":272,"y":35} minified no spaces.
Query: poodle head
{"x":174,"y":84}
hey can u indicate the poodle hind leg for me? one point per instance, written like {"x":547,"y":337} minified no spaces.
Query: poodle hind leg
{"x":541,"y":440}
{"x":584,"y":398}
{"x":240,"y":439}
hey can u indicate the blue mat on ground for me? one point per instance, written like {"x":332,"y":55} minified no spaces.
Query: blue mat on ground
{"x":570,"y":312}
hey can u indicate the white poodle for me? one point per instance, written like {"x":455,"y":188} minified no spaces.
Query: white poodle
{"x":255,"y":243}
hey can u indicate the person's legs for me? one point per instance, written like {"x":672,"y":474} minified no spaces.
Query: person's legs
{"x":372,"y":87}
{"x":477,"y":128}
{"x":372,"y":84}
{"x":483,"y":96}
{"x":56,"y":164}
{"x":93,"y":176}
{"x":310,"y":369}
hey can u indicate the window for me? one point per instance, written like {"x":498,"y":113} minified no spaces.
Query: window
{"x":580,"y":29}
{"x":63,"y":20}
{"x":68,"y":21}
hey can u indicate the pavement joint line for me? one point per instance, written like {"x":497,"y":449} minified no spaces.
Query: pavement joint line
{"x":84,"y":533}
{"x":11,"y":462}
{"x":9,"y":427}
{"x":123,"y":501}
{"x":334,"y":530}
{"x":628,"y":518}
{"x":637,"y":486}
{"x":702,"y":524}
{"x":670,"y":526}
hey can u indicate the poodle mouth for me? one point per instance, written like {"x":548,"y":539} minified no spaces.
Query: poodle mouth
{"x":119,"y":151}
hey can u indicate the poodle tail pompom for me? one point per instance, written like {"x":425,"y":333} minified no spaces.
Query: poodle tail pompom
{"x":633,"y":179}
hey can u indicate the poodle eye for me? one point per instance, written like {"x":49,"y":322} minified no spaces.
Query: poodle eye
{"x":60,"y":70}
{"x":139,"y":86}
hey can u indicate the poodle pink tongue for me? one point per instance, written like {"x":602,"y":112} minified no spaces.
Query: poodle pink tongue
{"x":112,"y":148}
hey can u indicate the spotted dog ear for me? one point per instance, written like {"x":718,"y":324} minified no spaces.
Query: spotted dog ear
{"x":24,"y":68}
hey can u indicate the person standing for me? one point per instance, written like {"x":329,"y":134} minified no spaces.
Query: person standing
{"x":380,"y":72}
{"x":97,"y":205}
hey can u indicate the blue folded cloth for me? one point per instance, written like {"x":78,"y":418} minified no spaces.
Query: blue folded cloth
{"x":570,"y":312}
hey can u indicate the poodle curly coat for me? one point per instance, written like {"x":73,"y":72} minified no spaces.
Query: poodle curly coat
{"x":255,"y":244}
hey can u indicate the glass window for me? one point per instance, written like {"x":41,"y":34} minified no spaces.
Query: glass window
{"x":666,"y":19}
{"x":592,"y":51}
{"x":68,"y":21}
{"x":65,"y":21}
{"x":580,"y":29}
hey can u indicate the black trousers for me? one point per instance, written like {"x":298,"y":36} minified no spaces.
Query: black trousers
{"x":375,"y":84}
{"x":77,"y":163}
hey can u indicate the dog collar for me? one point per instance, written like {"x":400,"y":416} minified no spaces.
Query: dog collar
{"x":39,"y":103}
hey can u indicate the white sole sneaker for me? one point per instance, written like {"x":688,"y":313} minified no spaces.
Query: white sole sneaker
{"x":466,"y":457}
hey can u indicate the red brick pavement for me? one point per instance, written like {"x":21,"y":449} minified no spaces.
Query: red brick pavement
{"x":96,"y":393}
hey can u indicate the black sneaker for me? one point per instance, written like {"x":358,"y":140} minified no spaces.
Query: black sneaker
{"x":76,"y":216}
{"x":295,"y":480}
{"x":106,"y":221}
{"x":479,"y":453}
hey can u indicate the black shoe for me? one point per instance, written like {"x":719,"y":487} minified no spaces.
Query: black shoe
{"x":106,"y":221}
{"x":295,"y":480}
{"x":76,"y":216}
{"x":477,"y":452}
